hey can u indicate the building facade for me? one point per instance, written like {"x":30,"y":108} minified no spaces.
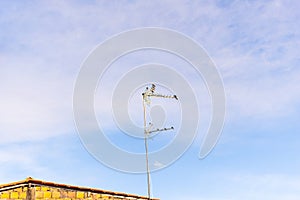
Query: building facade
{"x":32,"y":189}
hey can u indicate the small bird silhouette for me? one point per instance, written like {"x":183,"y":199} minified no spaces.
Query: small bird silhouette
{"x":152,"y":88}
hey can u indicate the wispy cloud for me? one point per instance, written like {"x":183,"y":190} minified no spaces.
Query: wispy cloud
{"x":40,"y":58}
{"x":35,"y":100}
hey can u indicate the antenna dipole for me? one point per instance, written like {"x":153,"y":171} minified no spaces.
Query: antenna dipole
{"x":147,"y":131}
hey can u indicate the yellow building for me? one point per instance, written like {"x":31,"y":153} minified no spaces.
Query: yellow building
{"x":31,"y":189}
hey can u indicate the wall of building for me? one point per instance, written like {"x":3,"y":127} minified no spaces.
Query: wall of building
{"x":52,"y":193}
{"x":17,"y":193}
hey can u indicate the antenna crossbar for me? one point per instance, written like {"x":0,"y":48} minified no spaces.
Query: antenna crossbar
{"x":160,"y":130}
{"x":162,"y":96}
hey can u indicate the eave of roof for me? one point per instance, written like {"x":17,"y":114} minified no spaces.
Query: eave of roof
{"x":32,"y":181}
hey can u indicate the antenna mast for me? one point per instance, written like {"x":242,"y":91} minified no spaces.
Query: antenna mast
{"x":147,"y":131}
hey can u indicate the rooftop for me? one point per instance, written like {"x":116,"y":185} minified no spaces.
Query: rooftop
{"x":34,"y":182}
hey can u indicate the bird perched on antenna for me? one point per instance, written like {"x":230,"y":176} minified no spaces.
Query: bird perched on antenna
{"x":150,"y":93}
{"x":152,"y":89}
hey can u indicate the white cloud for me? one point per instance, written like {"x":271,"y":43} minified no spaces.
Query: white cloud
{"x":245,"y":39}
{"x":35,"y":101}
{"x":255,"y":46}
{"x":158,"y":164}
{"x":265,"y":98}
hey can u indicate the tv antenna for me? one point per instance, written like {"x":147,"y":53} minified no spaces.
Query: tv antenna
{"x":149,"y":130}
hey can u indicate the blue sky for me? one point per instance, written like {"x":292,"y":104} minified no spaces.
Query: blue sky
{"x":254,"y":44}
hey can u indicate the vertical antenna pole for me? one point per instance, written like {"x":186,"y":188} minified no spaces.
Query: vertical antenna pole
{"x":146,"y":95}
{"x":146,"y":148}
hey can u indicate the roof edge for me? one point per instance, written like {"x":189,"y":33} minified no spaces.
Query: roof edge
{"x":70,"y":187}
